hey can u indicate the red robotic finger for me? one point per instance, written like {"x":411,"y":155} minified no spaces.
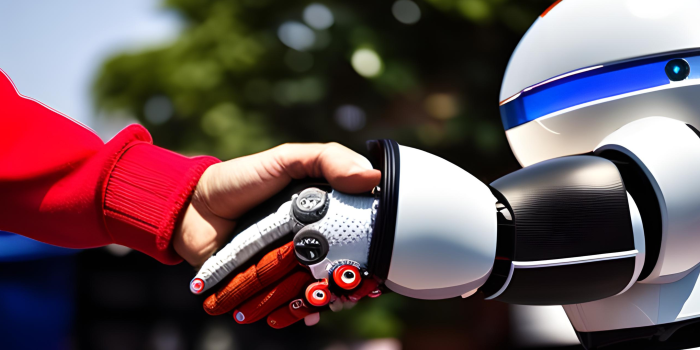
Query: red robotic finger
{"x":272,"y":267}
{"x":272,"y":297}
{"x":290,"y":314}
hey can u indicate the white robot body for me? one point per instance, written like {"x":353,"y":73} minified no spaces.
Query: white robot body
{"x":593,"y":76}
{"x":643,"y":305}
{"x":586,"y":68}
{"x":668,"y":152}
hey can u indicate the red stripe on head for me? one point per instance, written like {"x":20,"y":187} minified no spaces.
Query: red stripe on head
{"x":550,"y":8}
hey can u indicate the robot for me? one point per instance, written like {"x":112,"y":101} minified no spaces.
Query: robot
{"x":600,"y":105}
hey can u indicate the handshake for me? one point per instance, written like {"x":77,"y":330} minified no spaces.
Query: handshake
{"x":333,"y":244}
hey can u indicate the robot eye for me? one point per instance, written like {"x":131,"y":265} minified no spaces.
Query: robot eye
{"x":347,"y":277}
{"x":677,"y":69}
{"x":319,"y":295}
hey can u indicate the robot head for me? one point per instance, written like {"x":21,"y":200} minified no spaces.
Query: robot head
{"x":587,"y":67}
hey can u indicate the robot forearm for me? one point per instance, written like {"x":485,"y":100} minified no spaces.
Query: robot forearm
{"x":560,"y":232}
{"x":568,"y":233}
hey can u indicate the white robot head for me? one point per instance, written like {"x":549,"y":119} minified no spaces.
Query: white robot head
{"x":587,"y":67}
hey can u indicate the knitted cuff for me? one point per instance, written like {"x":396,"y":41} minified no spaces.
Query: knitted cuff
{"x":147,"y":191}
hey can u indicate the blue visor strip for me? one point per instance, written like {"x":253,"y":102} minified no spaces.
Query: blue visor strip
{"x":584,"y":87}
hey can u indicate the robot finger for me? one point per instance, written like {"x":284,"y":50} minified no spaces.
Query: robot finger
{"x":245,"y":245}
{"x":271,"y":298}
{"x":272,"y":267}
{"x":290,"y":314}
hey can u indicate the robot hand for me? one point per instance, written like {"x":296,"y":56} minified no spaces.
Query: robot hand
{"x":331,"y":246}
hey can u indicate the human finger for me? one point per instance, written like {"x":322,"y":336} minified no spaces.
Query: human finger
{"x":249,"y":181}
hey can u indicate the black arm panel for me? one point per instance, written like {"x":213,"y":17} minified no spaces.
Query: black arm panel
{"x":573,"y":208}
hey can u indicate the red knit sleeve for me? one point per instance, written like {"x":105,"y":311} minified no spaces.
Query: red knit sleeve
{"x":60,"y":184}
{"x":145,"y":194}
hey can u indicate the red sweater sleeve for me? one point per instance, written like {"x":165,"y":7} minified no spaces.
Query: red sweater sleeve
{"x":60,"y":184}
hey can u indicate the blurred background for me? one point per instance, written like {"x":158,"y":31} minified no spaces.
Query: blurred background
{"x":233,"y":77}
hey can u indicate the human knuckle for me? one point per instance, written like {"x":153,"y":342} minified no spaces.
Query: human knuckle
{"x":334,"y":147}
{"x":283,"y":149}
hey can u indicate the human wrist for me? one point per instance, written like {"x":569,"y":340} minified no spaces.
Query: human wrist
{"x":200,"y":232}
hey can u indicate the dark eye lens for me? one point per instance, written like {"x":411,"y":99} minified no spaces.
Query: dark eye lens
{"x":677,"y":69}
{"x":310,"y":246}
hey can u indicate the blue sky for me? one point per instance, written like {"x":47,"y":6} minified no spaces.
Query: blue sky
{"x":52,"y":49}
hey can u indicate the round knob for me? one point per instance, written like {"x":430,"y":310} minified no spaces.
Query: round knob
{"x":310,"y":205}
{"x":310,"y":246}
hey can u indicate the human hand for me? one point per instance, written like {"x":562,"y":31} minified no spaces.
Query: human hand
{"x":228,"y":190}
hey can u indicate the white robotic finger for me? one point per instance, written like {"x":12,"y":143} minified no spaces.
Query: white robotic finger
{"x":246,"y":244}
